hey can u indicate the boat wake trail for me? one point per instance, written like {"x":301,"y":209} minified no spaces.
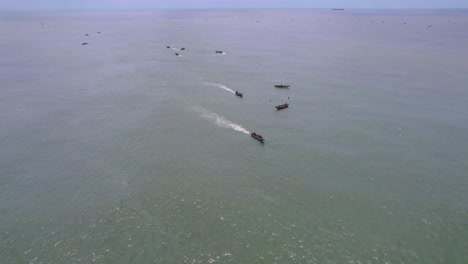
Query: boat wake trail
{"x":220,"y":121}
{"x":221,"y":86}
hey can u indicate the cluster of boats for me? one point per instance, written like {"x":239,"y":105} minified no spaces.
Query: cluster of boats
{"x":278,"y":107}
{"x":286,"y":105}
{"x":237,"y":93}
{"x":177,"y":54}
{"x":83,"y":43}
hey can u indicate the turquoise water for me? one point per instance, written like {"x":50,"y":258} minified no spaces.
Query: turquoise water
{"x":121,"y":152}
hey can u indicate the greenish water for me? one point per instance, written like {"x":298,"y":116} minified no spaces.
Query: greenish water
{"x":121,"y":152}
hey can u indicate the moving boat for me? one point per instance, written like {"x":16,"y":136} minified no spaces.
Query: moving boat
{"x":239,"y":94}
{"x":257,"y":137}
{"x":279,"y":107}
{"x":168,"y":47}
{"x":282,"y":86}
{"x":177,"y":54}
{"x":219,"y":51}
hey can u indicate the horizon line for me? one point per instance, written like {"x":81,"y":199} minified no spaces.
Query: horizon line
{"x":234,"y":8}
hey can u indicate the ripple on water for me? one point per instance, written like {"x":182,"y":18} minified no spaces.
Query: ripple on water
{"x":191,"y":227}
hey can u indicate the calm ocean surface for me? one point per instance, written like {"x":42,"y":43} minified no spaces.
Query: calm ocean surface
{"x":121,"y":152}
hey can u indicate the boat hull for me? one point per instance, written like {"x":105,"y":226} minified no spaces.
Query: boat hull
{"x":257,"y":137}
{"x":283,"y":106}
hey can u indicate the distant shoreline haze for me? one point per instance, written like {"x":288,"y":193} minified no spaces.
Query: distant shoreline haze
{"x":463,"y":9}
{"x":222,"y":4}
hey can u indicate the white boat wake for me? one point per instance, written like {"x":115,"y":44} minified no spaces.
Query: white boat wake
{"x":220,"y":121}
{"x":221,"y":86}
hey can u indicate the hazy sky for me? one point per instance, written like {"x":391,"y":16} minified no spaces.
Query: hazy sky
{"x":143,"y":4}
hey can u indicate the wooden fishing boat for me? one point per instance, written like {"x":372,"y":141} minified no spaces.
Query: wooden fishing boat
{"x":257,"y":137}
{"x":279,"y":107}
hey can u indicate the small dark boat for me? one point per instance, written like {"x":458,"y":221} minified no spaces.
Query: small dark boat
{"x":282,"y":86}
{"x":168,"y":47}
{"x":279,"y":107}
{"x":177,"y":54}
{"x":86,"y":34}
{"x":257,"y":137}
{"x":219,"y":51}
{"x":85,"y":43}
{"x":239,"y":94}
{"x":182,"y":49}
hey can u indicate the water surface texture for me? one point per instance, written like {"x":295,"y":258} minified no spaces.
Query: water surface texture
{"x":118,"y":151}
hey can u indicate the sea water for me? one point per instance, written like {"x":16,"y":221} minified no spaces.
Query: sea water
{"x":118,"y":151}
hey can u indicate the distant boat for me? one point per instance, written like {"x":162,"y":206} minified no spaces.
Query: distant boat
{"x":182,"y":49}
{"x":338,"y":9}
{"x":239,"y":94}
{"x":257,"y":137}
{"x":168,"y":47}
{"x":282,"y":86}
{"x":177,"y":54}
{"x":219,"y":51}
{"x":85,"y":43}
{"x":279,"y":107}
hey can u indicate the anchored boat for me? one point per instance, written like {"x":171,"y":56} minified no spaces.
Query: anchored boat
{"x":282,"y":86}
{"x":257,"y":137}
{"x":219,"y":51}
{"x":279,"y":107}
